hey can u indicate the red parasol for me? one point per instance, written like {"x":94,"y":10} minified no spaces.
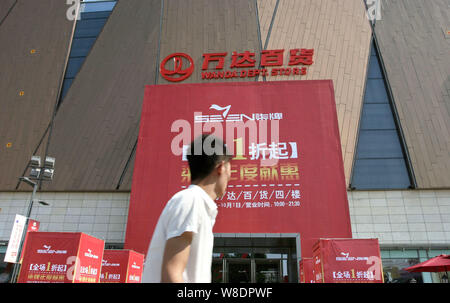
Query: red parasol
{"x":437,"y":264}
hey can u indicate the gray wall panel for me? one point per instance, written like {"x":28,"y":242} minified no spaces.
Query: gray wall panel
{"x":34,"y":41}
{"x":415,"y":50}
{"x":196,"y":27}
{"x":5,"y":7}
{"x":97,"y":124}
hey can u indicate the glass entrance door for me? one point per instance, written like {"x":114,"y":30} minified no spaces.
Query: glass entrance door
{"x":248,"y":270}
{"x":217,"y":274}
{"x":268,"y":271}
{"x":255,"y":260}
{"x":239,"y":271}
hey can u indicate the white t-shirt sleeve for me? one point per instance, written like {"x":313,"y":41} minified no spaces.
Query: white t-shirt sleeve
{"x":184,"y":217}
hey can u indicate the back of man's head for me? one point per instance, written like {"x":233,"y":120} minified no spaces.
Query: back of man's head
{"x":204,"y":154}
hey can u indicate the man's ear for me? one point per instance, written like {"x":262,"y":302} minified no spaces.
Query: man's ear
{"x":220,"y":168}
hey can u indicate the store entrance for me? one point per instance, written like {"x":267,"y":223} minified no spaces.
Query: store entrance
{"x":267,"y":260}
{"x":239,"y":271}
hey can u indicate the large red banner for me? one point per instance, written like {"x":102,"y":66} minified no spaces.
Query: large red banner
{"x":287,"y":179}
{"x":61,"y":258}
{"x":122,"y":266}
{"x":347,"y":261}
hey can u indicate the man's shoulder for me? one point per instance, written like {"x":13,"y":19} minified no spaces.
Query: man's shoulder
{"x":186,"y":196}
{"x":185,"y":193}
{"x":181,"y":203}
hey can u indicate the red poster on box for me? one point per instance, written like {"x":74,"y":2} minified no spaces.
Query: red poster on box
{"x":317,"y":265}
{"x":307,"y":270}
{"x":122,"y":266}
{"x":61,"y":258}
{"x":90,"y":255}
{"x":291,"y":184}
{"x":348,"y":261}
{"x":135,"y":267}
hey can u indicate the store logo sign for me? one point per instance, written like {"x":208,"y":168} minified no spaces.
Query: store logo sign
{"x":272,"y":63}
{"x":89,"y":254}
{"x":226,"y":117}
{"x":47,"y":250}
{"x":345,"y":256}
{"x":135,"y":266}
{"x":107,"y":263}
{"x":177,"y":72}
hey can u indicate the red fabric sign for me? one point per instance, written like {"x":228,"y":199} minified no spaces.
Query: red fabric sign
{"x":347,"y":261}
{"x":122,"y":266}
{"x":61,"y":258}
{"x":291,"y":184}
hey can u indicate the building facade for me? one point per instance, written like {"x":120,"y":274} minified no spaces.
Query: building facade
{"x":72,"y":87}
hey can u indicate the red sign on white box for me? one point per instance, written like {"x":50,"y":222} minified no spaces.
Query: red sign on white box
{"x":347,"y":261}
{"x":61,"y":258}
{"x":122,"y":266}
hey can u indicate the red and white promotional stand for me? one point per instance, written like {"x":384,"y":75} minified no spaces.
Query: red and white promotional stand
{"x":61,"y":258}
{"x":122,"y":266}
{"x":347,"y":261}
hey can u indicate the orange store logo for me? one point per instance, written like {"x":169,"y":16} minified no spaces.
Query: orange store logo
{"x":180,"y":66}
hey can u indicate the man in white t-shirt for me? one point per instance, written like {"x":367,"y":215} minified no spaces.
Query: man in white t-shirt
{"x":181,"y":247}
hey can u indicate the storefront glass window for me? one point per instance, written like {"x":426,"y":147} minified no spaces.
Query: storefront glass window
{"x":396,"y":259}
{"x":268,"y":271}
{"x":5,"y":268}
{"x":440,"y":277}
{"x":394,"y":273}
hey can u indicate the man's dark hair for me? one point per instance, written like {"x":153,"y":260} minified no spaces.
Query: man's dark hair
{"x":204,"y":154}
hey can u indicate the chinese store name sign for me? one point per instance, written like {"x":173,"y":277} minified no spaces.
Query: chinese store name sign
{"x":287,"y":172}
{"x":180,"y":66}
